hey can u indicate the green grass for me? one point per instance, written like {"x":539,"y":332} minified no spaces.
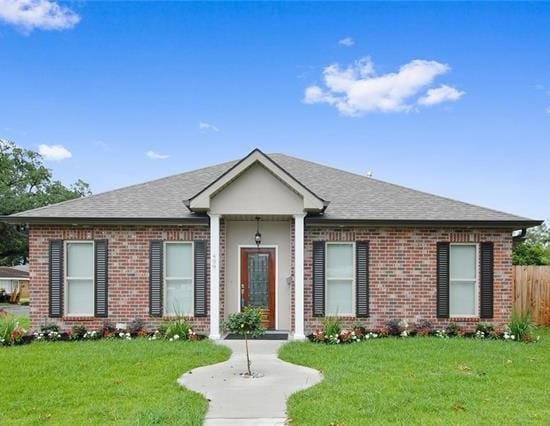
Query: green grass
{"x":103,"y":382}
{"x":424,"y":381}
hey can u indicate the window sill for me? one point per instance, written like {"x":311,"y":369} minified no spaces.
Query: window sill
{"x":176,"y":317}
{"x":340,"y":316}
{"x":78,"y":318}
{"x":465,"y":319}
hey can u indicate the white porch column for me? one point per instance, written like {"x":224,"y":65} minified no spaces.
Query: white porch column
{"x":215,"y":276}
{"x":299,"y":276}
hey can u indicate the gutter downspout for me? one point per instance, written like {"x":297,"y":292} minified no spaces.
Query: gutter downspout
{"x":516,"y":239}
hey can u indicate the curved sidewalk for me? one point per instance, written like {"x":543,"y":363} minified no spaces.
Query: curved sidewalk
{"x":236,"y":400}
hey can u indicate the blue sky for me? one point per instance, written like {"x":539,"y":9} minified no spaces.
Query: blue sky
{"x":110,"y":82}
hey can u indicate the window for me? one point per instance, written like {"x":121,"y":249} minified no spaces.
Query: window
{"x":79,"y":273}
{"x":178,"y":278}
{"x":339,"y":279}
{"x":463,"y":280}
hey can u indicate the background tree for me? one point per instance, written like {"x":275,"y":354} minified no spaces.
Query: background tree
{"x":535,"y":248}
{"x":25,"y":183}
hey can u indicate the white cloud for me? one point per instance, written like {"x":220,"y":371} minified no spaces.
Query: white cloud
{"x":37,"y":14}
{"x":205,"y":127}
{"x":440,"y":94}
{"x":547,"y":110}
{"x":156,"y":156}
{"x":54,"y":152}
{"x":357,"y":89}
{"x":347,"y":42}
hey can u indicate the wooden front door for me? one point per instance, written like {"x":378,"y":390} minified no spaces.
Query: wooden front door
{"x":258,"y":282}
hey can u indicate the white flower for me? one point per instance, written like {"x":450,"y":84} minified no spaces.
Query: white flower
{"x":171,"y":339}
{"x":176,"y":336}
{"x":120,"y":334}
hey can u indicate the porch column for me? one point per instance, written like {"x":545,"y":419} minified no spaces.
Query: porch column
{"x":214,"y":276}
{"x":299,"y":276}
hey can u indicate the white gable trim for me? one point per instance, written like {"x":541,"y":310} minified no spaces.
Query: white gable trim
{"x":201,"y":201}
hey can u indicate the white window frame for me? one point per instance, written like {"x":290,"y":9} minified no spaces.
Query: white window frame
{"x":476,"y":285}
{"x":164,"y":279}
{"x":66,"y":278}
{"x":353,"y":279}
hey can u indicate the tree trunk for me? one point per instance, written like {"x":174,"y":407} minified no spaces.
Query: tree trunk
{"x":247,"y":356}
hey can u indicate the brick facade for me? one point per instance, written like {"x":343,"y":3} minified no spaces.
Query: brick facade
{"x":128,"y":270}
{"x":402,"y":267}
{"x":402,"y":270}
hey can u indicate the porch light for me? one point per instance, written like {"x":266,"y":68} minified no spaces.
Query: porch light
{"x":258,"y":236}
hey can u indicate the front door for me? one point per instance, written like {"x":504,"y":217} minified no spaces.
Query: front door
{"x":258,"y":282}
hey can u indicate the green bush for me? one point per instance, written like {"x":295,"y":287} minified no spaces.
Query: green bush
{"x":521,"y":326}
{"x":176,"y":329}
{"x":11,"y":331}
{"x":332,"y":326}
{"x":49,"y":327}
{"x":78,"y":332}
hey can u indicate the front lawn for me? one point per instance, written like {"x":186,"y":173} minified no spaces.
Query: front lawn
{"x":424,"y":380}
{"x":103,"y":382}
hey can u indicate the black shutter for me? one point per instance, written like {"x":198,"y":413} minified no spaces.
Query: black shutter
{"x":443,"y":255}
{"x":362,"y":278}
{"x":56,"y":278}
{"x":101,"y":278}
{"x":200,"y":278}
{"x":486,"y":280}
{"x":155,"y":278}
{"x":318,"y":278}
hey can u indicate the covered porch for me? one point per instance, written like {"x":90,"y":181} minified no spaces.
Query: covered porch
{"x":257,"y":213}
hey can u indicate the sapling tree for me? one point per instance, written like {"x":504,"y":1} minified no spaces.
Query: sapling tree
{"x":247,"y":323}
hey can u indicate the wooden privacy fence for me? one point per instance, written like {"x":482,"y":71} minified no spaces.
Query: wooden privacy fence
{"x":532,"y":292}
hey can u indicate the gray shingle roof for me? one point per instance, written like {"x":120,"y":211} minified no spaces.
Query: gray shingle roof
{"x":13,"y":272}
{"x":351,"y":196}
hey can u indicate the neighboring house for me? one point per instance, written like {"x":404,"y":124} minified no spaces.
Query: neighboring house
{"x":331,"y":243}
{"x":14,"y":278}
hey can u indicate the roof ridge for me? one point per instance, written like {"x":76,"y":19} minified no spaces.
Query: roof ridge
{"x":383,"y":182}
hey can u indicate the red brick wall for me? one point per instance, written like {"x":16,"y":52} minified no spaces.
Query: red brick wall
{"x":128,"y":270}
{"x":403,"y":272}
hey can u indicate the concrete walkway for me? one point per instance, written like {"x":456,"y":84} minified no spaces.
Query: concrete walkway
{"x":237,"y":400}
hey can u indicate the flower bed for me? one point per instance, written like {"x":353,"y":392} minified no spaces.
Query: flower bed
{"x":520,"y":329}
{"x":11,"y":332}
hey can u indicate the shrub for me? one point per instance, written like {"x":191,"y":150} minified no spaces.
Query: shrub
{"x":331,"y":326}
{"x":177,"y":329}
{"x":108,"y":329}
{"x":397,"y":327}
{"x":423,"y":327}
{"x":78,"y":332}
{"x":521,"y":327}
{"x":485,"y":330}
{"x":137,"y":327}
{"x":453,"y":330}
{"x":49,"y":327}
{"x":246,"y":323}
{"x":11,"y":332}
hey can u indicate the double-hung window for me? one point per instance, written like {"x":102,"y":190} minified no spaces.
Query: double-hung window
{"x":463,"y":280}
{"x":340,"y":278}
{"x":178,"y":278}
{"x":79,"y":278}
